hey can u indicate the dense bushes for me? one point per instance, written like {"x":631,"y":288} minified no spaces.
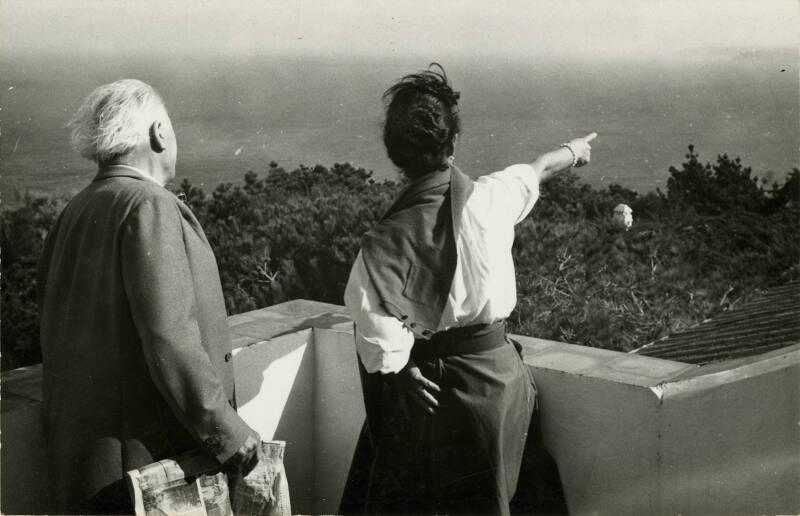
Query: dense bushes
{"x":22,"y":234}
{"x":289,"y":235}
{"x":726,"y":186}
{"x":710,"y":242}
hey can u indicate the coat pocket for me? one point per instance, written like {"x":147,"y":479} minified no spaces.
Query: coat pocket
{"x":425,"y":287}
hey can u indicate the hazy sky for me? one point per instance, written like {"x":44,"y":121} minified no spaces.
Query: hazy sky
{"x":400,"y":28}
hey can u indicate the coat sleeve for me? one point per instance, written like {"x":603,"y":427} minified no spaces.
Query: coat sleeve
{"x":160,"y":290}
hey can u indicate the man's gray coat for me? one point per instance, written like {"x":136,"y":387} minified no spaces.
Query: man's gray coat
{"x":136,"y":351}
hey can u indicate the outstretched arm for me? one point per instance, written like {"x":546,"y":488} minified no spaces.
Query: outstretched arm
{"x":575,"y":153}
{"x":509,"y":195}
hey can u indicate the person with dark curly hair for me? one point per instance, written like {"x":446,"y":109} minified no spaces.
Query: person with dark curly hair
{"x":447,"y":395}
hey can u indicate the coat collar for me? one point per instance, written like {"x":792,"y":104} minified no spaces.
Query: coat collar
{"x":451,"y":176}
{"x":109,"y":171}
{"x":409,"y":194}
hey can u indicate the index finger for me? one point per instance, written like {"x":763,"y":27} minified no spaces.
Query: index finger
{"x":591,"y":137}
{"x":429,"y":385}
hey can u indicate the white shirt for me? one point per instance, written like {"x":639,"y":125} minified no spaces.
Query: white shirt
{"x":484,"y":286}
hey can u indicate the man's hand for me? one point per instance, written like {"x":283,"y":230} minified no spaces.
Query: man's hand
{"x":413,"y":387}
{"x":247,"y":456}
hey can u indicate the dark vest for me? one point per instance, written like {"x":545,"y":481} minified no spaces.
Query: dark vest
{"x":411,"y":254}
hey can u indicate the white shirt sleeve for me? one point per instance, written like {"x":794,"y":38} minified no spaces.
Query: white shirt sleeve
{"x":383,"y":342}
{"x":511,"y":192}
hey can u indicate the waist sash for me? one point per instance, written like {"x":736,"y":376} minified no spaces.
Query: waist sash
{"x":461,"y":341}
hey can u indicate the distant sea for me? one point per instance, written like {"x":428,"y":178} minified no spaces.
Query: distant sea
{"x":238,"y":114}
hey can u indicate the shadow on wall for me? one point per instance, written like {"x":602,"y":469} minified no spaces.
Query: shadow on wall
{"x":303,"y":388}
{"x":297,"y":426}
{"x":275,"y":392}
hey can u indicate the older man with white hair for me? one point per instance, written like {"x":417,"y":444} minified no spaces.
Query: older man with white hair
{"x":136,"y":351}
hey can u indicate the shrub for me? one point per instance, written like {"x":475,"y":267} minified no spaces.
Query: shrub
{"x":713,"y":189}
{"x":710,"y":243}
{"x":289,"y":234}
{"x":22,"y":234}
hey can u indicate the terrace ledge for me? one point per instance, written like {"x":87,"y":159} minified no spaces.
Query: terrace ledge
{"x":631,"y":434}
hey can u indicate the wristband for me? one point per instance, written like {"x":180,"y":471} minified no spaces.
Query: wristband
{"x":571,"y":151}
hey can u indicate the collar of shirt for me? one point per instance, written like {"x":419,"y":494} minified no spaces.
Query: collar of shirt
{"x":113,"y":171}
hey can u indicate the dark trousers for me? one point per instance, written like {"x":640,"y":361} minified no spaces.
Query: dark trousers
{"x":466,"y":458}
{"x":113,"y":499}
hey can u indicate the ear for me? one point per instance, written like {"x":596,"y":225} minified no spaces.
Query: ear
{"x":451,"y":149}
{"x":157,"y":139}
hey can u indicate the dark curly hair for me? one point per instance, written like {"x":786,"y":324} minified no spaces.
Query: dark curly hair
{"x":421,"y":122}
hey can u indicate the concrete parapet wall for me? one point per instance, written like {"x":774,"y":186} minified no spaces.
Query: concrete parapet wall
{"x":634,"y":436}
{"x":297,"y":381}
{"x":730,"y":440}
{"x":631,"y":434}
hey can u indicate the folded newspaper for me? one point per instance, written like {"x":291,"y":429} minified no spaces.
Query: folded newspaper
{"x":194,"y":484}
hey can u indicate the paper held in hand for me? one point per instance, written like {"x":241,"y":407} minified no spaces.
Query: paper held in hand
{"x":193,"y":483}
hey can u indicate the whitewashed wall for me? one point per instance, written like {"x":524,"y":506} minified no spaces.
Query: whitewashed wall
{"x":631,"y":434}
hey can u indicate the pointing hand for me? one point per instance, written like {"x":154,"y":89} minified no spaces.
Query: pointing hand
{"x":582,"y":149}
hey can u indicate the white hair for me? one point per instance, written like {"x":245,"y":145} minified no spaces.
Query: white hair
{"x":114,"y":119}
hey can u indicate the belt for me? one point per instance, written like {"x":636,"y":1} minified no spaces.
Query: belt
{"x":461,"y":341}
